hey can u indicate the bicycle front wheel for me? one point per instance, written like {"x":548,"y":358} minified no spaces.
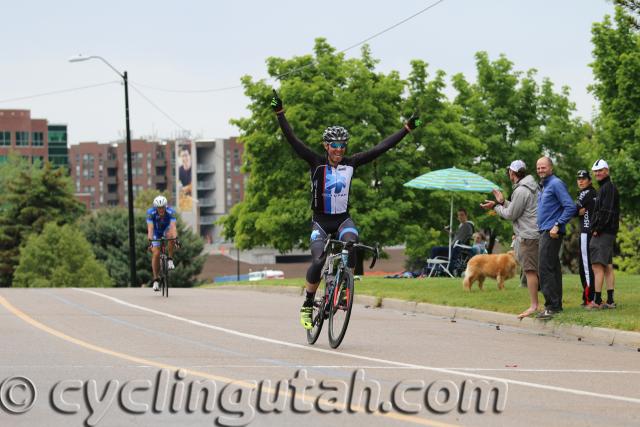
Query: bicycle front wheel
{"x":317,"y":317}
{"x":165,"y":278}
{"x":340,"y":303}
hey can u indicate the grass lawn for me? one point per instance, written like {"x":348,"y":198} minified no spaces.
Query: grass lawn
{"x":512,"y":300}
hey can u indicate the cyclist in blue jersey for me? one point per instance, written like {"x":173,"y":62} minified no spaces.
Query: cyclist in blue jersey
{"x":331,"y":176}
{"x":161,"y":221}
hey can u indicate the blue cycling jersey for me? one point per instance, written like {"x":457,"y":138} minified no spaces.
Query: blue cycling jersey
{"x":160,"y":223}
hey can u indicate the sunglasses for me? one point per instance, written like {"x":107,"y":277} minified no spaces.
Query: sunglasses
{"x":338,"y":144}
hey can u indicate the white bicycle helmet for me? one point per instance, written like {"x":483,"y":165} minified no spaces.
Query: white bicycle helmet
{"x":160,"y":202}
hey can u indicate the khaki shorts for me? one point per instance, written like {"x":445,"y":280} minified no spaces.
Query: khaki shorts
{"x":601,"y":248}
{"x":528,"y":254}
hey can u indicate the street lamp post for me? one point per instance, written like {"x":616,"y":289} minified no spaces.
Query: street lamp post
{"x":133,"y":280}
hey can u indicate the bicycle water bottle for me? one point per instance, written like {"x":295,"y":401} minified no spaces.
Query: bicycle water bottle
{"x":345,"y":257}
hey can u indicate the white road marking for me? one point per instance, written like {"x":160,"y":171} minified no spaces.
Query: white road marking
{"x":371,"y":367}
{"x":334,"y":353}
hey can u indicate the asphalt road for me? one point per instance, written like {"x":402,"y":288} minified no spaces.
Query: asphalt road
{"x":121,"y":357}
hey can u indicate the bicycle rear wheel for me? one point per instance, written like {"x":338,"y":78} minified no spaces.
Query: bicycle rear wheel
{"x":340,"y":303}
{"x":317,"y":317}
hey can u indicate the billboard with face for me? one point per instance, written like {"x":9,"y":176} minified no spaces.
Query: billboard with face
{"x":184,"y":179}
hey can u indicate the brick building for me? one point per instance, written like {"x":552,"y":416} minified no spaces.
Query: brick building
{"x":101,"y":170}
{"x":26,"y":136}
{"x":33,"y":139}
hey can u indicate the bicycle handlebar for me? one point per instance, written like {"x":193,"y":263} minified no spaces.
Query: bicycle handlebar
{"x":166,"y":239}
{"x":375,"y":250}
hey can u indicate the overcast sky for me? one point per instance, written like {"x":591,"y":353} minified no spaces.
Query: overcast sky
{"x":194,"y":45}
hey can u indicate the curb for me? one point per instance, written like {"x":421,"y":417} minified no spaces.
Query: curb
{"x":582,"y":333}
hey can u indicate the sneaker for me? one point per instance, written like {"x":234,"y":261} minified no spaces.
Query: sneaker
{"x":305,"y":317}
{"x":609,"y":305}
{"x":593,"y":306}
{"x":156,"y":285}
{"x":170,"y":264}
{"x":546,"y":314}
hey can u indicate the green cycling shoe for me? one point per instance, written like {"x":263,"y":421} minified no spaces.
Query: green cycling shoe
{"x":305,"y":317}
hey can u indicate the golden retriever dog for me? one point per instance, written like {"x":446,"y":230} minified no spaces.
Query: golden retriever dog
{"x":498,"y":266}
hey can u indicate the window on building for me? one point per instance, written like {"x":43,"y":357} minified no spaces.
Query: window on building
{"x":3,"y":159}
{"x":5,"y":138}
{"x":22,"y":139}
{"x":37,"y":139}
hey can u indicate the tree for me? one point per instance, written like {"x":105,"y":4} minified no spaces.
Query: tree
{"x":616,"y":70}
{"x":107,"y":231}
{"x":60,"y":256}
{"x":9,"y":171}
{"x":34,"y":196}
{"x":632,"y":7}
{"x":517,"y":118}
{"x":629,"y":240}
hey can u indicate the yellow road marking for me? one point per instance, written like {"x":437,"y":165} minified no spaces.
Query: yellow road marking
{"x":22,"y":315}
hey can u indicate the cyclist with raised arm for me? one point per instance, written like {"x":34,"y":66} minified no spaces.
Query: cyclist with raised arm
{"x":161,"y":222}
{"x":331,"y":176}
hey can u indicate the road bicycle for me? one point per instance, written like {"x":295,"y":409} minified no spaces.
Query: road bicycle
{"x":336,"y":300}
{"x":164,"y":259}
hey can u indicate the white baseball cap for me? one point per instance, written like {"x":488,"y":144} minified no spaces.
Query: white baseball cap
{"x":600,"y":164}
{"x":516,"y":165}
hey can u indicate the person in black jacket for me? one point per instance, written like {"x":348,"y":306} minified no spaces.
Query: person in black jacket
{"x":585,"y":204}
{"x":606,"y":217}
{"x":331,"y":175}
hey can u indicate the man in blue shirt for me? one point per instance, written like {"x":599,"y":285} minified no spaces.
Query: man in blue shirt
{"x":161,"y":221}
{"x":555,"y":210}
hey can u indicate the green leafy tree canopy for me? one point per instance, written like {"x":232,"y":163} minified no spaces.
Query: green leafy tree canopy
{"x":59,"y":257}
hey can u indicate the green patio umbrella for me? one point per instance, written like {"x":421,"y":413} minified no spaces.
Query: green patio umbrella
{"x":452,"y":179}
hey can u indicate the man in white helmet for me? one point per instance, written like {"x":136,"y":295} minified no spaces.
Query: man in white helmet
{"x":161,"y":221}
